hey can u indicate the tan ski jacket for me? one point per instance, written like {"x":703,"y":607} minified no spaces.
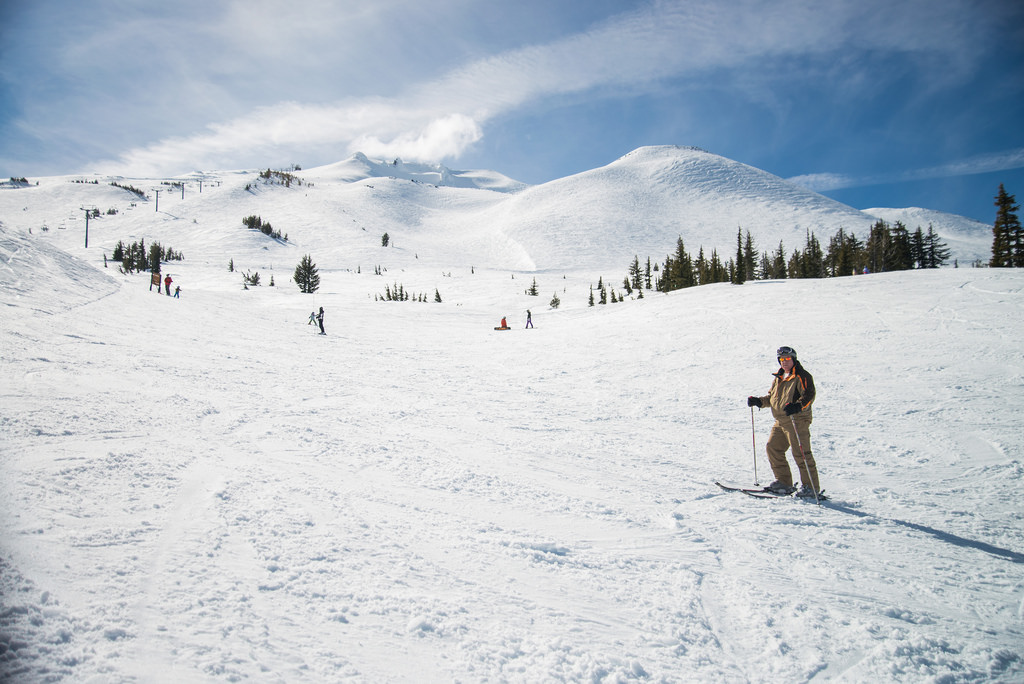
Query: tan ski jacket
{"x":797,"y":386}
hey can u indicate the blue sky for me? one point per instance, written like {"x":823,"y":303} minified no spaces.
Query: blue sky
{"x":872,"y":102}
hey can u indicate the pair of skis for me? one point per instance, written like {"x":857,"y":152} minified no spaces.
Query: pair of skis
{"x":764,"y":492}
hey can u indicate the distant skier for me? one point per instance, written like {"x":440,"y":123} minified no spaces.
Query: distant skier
{"x":167,"y":284}
{"x":177,"y":291}
{"x":320,"y":320}
{"x":312,"y":318}
{"x":790,"y":399}
{"x":504,"y":323}
{"x":529,"y":319}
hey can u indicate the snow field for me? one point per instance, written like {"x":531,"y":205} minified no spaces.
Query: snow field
{"x":203,"y":489}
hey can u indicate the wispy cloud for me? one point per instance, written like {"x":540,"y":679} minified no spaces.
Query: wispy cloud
{"x":442,"y":117}
{"x":984,"y":163}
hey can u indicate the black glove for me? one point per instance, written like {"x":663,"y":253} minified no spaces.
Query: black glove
{"x":754,"y":401}
{"x":792,"y":408}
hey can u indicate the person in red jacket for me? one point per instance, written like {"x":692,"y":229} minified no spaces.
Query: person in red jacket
{"x":790,"y":399}
{"x":167,"y":284}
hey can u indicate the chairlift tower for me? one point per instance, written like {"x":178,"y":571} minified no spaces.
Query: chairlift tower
{"x":88,"y":210}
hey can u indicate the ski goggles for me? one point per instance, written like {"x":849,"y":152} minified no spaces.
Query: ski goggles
{"x":785,"y":358}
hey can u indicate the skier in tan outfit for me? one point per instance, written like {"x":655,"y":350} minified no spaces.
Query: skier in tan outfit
{"x":790,"y":399}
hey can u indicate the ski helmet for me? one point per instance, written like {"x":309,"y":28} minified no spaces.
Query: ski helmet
{"x":785,"y":351}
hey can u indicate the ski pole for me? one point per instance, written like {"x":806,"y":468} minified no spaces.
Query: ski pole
{"x":803,"y":456}
{"x":753,"y":444}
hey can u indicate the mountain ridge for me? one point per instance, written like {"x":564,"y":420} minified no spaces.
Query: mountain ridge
{"x":596,"y":220}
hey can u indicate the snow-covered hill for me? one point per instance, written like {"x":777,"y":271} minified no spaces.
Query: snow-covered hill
{"x":597,"y":221}
{"x":204,"y":490}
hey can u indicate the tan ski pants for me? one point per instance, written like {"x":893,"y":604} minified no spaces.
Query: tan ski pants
{"x":783,"y":438}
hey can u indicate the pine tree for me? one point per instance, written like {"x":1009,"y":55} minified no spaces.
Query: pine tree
{"x":635,"y":276}
{"x":702,"y":269}
{"x":838,"y":259}
{"x":878,"y":247}
{"x":936,"y":253}
{"x":812,"y":261}
{"x":739,"y":273}
{"x":716,"y":272}
{"x":779,"y":262}
{"x":154,"y":257}
{"x":1007,"y":238}
{"x":899,"y":256}
{"x":749,"y":258}
{"x":795,"y":266}
{"x":917,"y":256}
{"x":766,"y":266}
{"x":307,"y":276}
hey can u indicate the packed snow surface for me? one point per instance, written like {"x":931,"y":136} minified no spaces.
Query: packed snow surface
{"x":204,"y":489}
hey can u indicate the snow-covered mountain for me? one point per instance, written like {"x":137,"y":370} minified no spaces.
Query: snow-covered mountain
{"x":597,"y":220}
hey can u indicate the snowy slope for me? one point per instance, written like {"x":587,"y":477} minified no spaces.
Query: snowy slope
{"x":204,"y":490}
{"x":636,"y":206}
{"x":640,"y":204}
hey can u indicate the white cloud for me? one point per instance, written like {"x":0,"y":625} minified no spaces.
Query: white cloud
{"x":439,"y":139}
{"x":441,"y":118}
{"x":823,"y":182}
{"x":985,"y":163}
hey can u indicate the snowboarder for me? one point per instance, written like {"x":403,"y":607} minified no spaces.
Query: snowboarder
{"x":177,"y":291}
{"x":790,"y":399}
{"x":320,"y":320}
{"x":529,"y":319}
{"x":167,"y":284}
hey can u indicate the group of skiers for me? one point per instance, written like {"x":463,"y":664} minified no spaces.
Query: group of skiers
{"x":317,"y":318}
{"x":504,"y":321}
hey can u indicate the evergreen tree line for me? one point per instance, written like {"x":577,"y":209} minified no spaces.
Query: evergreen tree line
{"x":135,"y":257}
{"x":1007,"y":235}
{"x":603,"y":292}
{"x":129,"y":188}
{"x":281,"y":177}
{"x":257,"y":223}
{"x":398,"y":293}
{"x":887,"y":248}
